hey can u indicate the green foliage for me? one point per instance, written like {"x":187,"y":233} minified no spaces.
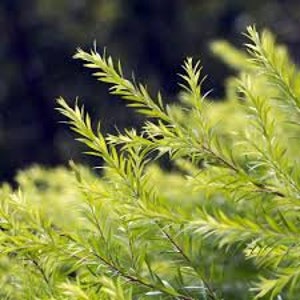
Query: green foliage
{"x":223,"y":225}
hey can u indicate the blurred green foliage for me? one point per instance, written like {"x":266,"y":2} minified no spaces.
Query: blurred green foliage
{"x":38,"y":38}
{"x":52,"y":201}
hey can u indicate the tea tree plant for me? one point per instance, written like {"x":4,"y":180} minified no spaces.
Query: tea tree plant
{"x":223,"y":225}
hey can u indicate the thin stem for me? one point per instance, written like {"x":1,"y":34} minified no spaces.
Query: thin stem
{"x":137,"y":280}
{"x":189,"y":261}
{"x":262,"y":187}
{"x":128,"y":277}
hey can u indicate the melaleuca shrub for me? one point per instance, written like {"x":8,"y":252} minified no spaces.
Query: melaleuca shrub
{"x":223,"y":225}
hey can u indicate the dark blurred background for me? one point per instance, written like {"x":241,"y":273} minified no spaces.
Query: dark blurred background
{"x":151,"y":37}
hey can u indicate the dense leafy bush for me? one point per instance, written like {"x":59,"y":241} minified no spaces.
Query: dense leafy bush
{"x":223,"y":225}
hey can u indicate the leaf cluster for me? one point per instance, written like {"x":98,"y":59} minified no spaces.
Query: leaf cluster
{"x":223,"y":225}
